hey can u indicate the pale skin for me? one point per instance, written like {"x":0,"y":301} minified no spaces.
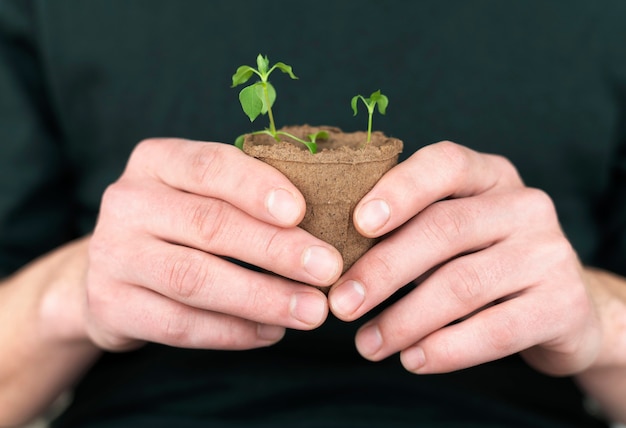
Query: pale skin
{"x":154,"y":270}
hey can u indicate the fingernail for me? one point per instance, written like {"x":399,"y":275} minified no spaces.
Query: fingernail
{"x":369,"y":341}
{"x":283,"y":206}
{"x":413,"y":358}
{"x":270,"y":332}
{"x":347,"y":297}
{"x":320,"y":262}
{"x":373,"y":215}
{"x":309,"y":308}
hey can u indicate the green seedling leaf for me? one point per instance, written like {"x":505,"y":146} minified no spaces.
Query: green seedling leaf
{"x":311,"y":146}
{"x":285,"y":69}
{"x":242,"y":75}
{"x":262,"y":64}
{"x":322,"y":135}
{"x":375,"y":99}
{"x":353,"y":103}
{"x":251,"y":104}
{"x":261,"y":93}
{"x":319,"y":135}
{"x":239,"y":141}
{"x":380,"y":100}
{"x":313,"y":138}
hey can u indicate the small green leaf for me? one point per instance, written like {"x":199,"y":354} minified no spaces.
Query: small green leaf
{"x":353,"y":103}
{"x":262,"y":64}
{"x":285,"y":69}
{"x":242,"y":75}
{"x":311,"y":146}
{"x":382,"y":103}
{"x":377,"y":98}
{"x":251,"y":104}
{"x":239,"y":141}
{"x":271,"y":93}
{"x":321,"y":135}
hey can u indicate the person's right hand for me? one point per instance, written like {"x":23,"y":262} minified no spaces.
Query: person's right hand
{"x":157,"y":259}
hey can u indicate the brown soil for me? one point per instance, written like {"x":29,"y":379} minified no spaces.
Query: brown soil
{"x":332,"y":181}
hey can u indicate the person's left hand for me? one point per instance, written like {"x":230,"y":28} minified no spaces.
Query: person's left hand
{"x":495,"y":274}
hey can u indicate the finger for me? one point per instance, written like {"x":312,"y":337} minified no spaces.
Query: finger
{"x":208,"y":282}
{"x":217,"y":227}
{"x":494,"y":333}
{"x":137,"y":313}
{"x":456,"y":290}
{"x":551,"y":322}
{"x":221,"y":171}
{"x":438,"y":234}
{"x":438,"y":171}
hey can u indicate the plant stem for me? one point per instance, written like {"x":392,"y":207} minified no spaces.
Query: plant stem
{"x":311,"y":145}
{"x":269,"y":111}
{"x":369,"y":127}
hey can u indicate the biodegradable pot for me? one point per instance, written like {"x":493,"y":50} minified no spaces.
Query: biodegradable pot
{"x":332,"y":181}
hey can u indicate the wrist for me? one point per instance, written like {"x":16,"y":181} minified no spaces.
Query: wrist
{"x":61,"y":305}
{"x":608,"y":292}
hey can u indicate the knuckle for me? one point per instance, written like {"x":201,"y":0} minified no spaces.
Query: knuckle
{"x":113,"y":199}
{"x":540,"y":203}
{"x":556,"y":254}
{"x":464,"y":282}
{"x":283,"y":249}
{"x":186,"y":276}
{"x":274,"y":248}
{"x":208,"y":221}
{"x":108,"y":339}
{"x":254,"y":301}
{"x":382,"y":263}
{"x":143,"y":150}
{"x":235,"y":333}
{"x":122,"y":203}
{"x":443,"y":224}
{"x":561,"y":249}
{"x":455,"y":156}
{"x":101,"y":319}
{"x":508,"y":172}
{"x":147,"y":144}
{"x":176,"y":325}
{"x":502,"y":336}
{"x":397,"y":332}
{"x":208,"y":163}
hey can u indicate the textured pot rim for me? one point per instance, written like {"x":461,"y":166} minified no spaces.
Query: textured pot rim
{"x":287,"y":151}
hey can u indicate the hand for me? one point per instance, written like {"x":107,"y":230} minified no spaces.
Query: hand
{"x":158,"y":269}
{"x":494,"y":273}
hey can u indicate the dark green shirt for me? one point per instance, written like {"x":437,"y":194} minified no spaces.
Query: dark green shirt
{"x":81,"y":82}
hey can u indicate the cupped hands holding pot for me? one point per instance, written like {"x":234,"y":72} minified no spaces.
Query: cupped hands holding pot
{"x":494,"y":273}
{"x":159,"y":267}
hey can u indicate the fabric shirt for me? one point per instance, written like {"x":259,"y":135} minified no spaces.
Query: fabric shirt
{"x":81,"y":83}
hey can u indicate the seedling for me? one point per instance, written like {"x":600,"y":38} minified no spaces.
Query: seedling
{"x":259,"y":97}
{"x":376,"y":99}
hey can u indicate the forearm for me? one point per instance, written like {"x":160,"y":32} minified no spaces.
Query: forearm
{"x":44,"y":348}
{"x":605,"y":381}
